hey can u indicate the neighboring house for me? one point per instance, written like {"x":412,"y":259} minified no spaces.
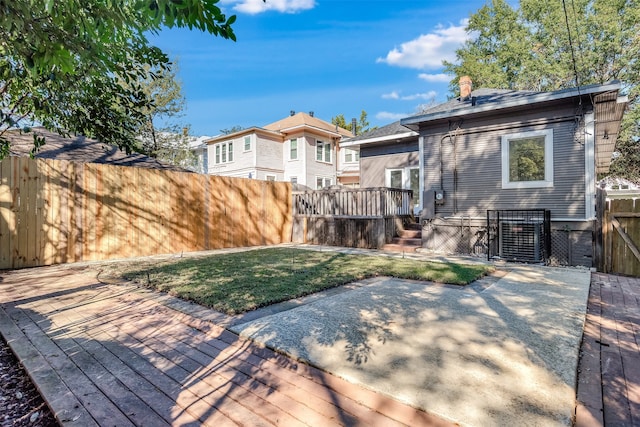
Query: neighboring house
{"x":389,"y":158}
{"x":489,"y":159}
{"x":200,"y":150}
{"x":300,"y":149}
{"x":79,"y":149}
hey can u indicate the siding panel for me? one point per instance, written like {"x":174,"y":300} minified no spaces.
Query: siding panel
{"x":476,"y":159}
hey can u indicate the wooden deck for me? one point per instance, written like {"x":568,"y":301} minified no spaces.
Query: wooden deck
{"x":107,"y":354}
{"x":609,"y":371}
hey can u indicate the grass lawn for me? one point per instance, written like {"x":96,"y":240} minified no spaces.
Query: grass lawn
{"x":239,"y":282}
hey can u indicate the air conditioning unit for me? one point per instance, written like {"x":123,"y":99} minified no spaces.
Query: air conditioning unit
{"x":521,"y":240}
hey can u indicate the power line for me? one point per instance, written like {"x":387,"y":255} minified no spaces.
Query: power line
{"x":573,"y":56}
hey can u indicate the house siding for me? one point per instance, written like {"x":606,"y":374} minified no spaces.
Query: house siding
{"x":268,"y":154}
{"x":314,"y":167}
{"x":460,"y":223}
{"x":294,"y":168}
{"x":374,"y":160}
{"x":477,"y":158}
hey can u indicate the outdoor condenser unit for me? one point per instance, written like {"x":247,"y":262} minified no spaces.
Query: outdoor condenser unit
{"x":522,"y":240}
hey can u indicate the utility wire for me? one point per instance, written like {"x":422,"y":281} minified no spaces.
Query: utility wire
{"x":573,"y":56}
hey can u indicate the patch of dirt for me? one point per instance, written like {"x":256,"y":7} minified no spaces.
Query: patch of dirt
{"x":20,"y":402}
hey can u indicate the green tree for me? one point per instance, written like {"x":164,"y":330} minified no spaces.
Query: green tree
{"x":174,"y":147}
{"x":233,"y":129}
{"x":76,"y":66}
{"x":530,"y":48}
{"x":526,"y":160}
{"x":362,"y":125}
{"x":165,"y":91}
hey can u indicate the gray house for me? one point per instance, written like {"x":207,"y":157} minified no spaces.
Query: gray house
{"x":502,"y":173}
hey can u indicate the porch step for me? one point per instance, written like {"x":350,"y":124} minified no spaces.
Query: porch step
{"x":413,"y":226}
{"x":410,"y":239}
{"x":394,"y":247}
{"x":415,"y":241}
{"x":411,"y":234}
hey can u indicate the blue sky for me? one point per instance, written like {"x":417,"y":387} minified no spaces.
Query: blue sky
{"x":327,"y":56}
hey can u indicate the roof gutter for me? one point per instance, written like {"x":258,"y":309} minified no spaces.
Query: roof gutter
{"x":384,"y":138}
{"x":307,"y":126}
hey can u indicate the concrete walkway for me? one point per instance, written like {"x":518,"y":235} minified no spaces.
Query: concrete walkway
{"x":114,"y":355}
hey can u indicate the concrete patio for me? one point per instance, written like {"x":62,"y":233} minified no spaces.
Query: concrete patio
{"x":500,"y":352}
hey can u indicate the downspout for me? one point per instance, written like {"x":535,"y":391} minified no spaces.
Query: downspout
{"x":455,"y":175}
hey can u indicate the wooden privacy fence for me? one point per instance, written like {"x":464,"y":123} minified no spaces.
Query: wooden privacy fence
{"x":618,"y":233}
{"x":363,"y":202}
{"x":361,"y":218}
{"x":56,"y":211}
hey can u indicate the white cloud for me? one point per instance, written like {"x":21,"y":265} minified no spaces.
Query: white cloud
{"x":253,"y":7}
{"x":385,"y":115}
{"x":435,"y":78}
{"x":396,"y":95}
{"x":427,"y":95}
{"x":429,"y":50}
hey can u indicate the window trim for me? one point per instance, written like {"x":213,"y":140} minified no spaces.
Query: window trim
{"x":296,"y":141}
{"x":244,"y":144}
{"x":355,"y":154}
{"x":324,"y":179}
{"x":267,"y":176}
{"x":323,"y":153}
{"x":548,"y":159}
{"x":387,"y":178}
{"x":223,"y":153}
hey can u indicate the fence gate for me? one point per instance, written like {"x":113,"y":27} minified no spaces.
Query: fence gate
{"x":618,"y":233}
{"x":519,"y":235}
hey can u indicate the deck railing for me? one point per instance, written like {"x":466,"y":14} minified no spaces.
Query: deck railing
{"x":355,"y":203}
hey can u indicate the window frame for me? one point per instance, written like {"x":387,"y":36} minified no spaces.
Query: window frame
{"x":323,"y":149}
{"x":323,"y":180}
{"x":355,"y":154}
{"x":547,"y":182}
{"x":247,"y":139}
{"x":223,"y":153}
{"x":268,"y":176}
{"x":291,"y":142}
{"x":387,"y":178}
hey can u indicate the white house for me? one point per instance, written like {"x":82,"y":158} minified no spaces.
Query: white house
{"x":300,"y":148}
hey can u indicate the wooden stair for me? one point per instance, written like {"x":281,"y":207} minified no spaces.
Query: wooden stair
{"x":409,"y":239}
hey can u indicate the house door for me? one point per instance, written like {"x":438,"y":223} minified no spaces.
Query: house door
{"x":408,"y":179}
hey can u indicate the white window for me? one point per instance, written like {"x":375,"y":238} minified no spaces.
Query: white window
{"x":351,"y":155}
{"x":294,"y":179}
{"x":527,"y":159}
{"x":323,"y":151}
{"x":394,"y":178}
{"x":293,"y":149}
{"x":271,"y":177}
{"x":224,"y":152}
{"x":247,"y":143}
{"x":322,"y":182}
{"x":407,"y":178}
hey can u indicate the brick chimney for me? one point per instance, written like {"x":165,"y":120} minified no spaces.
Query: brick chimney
{"x":465,"y":87}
